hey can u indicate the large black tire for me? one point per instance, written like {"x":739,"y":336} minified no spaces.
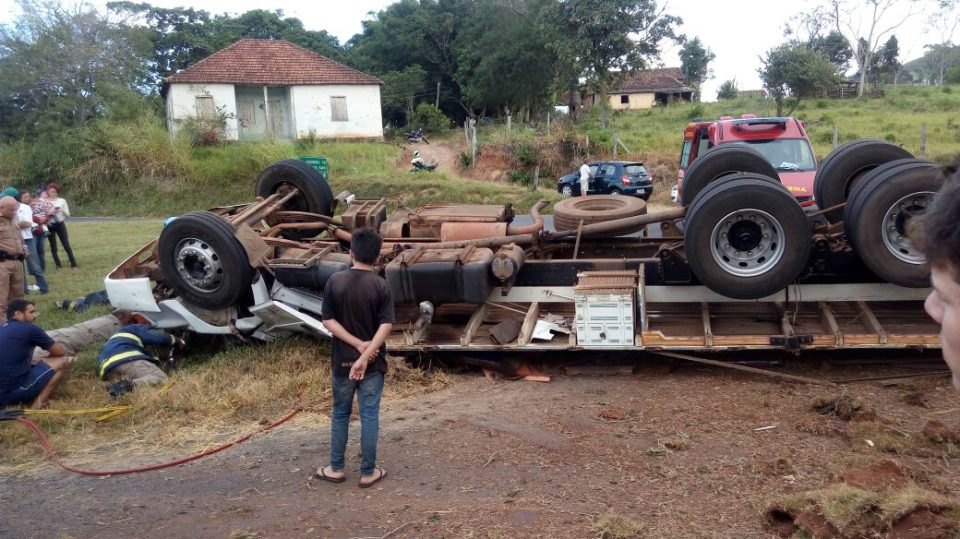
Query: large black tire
{"x":315,"y":194}
{"x":878,"y":214}
{"x":840,"y":171}
{"x":203,"y":261}
{"x":568,"y":213}
{"x":746,"y":237}
{"x":721,"y":161}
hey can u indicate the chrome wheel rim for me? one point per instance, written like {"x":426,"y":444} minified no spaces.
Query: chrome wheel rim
{"x":199,"y":265}
{"x":896,"y":222}
{"x":747,"y":242}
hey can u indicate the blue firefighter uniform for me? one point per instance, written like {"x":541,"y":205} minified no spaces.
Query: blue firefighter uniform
{"x":129,"y":344}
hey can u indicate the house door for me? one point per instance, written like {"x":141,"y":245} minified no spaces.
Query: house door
{"x":252,"y":120}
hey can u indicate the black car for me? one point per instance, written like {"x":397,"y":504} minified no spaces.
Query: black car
{"x":610,"y":178}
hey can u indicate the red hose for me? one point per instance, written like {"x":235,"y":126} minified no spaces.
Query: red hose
{"x":45,"y":443}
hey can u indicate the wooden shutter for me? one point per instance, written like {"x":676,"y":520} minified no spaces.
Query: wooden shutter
{"x":205,"y":108}
{"x":338,"y":108}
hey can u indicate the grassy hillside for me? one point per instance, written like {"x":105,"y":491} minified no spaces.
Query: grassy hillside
{"x":138,"y":170}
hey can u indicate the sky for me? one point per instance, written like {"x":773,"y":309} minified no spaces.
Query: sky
{"x":738,"y":32}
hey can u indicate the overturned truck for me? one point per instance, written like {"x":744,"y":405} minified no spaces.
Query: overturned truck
{"x":741,"y":266}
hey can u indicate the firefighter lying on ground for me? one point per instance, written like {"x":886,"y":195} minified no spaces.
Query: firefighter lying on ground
{"x":125,"y":358}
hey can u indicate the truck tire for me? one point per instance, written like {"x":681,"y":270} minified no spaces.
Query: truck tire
{"x":746,"y":237}
{"x":721,"y":161}
{"x":568,"y":213}
{"x":202,"y":260}
{"x":840,"y":171}
{"x":315,"y":195}
{"x":878,"y":214}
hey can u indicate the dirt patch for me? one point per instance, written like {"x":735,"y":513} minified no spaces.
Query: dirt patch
{"x":495,"y":459}
{"x":845,"y":407}
{"x":937,"y":432}
{"x":883,"y":475}
{"x":924,"y":524}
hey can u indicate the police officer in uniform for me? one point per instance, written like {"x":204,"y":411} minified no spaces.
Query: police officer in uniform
{"x":11,"y":255}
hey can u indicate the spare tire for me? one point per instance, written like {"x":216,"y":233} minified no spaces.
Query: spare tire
{"x":746,"y":237}
{"x":203,"y":261}
{"x":878,"y":214}
{"x":568,"y":213}
{"x":720,"y":161}
{"x":844,"y":167}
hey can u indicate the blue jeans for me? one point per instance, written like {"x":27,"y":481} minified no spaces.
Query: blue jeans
{"x":33,"y":265}
{"x":368,"y":393}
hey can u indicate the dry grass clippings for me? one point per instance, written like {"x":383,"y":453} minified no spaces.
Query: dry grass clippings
{"x":205,"y":403}
{"x":611,"y":525}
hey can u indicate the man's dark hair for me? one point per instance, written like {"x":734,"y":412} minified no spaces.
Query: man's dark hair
{"x":17,"y":306}
{"x":938,"y":230}
{"x":365,"y":245}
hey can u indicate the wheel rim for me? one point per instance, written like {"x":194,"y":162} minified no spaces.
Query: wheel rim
{"x":199,"y":265}
{"x":615,"y":192}
{"x":896,"y":222}
{"x":747,"y":242}
{"x":567,"y":191}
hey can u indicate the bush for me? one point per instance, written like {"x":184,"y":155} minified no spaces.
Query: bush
{"x":821,"y":104}
{"x":429,"y":118}
{"x":523,"y":177}
{"x":890,"y":137}
{"x":464,"y":160}
{"x":695,"y":112}
{"x":525,"y":153}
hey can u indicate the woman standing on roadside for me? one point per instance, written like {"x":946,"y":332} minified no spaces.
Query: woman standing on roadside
{"x":57,"y":214}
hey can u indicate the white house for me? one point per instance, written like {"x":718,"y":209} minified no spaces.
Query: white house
{"x":304,"y":93}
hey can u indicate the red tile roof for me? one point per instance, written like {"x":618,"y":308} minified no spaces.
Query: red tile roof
{"x":269,"y":62}
{"x":663,"y":79}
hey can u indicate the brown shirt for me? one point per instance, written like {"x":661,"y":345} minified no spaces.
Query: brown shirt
{"x":10,"y":239}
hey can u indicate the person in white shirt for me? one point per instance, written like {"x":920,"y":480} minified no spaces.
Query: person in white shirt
{"x":30,"y":240}
{"x":584,"y":179}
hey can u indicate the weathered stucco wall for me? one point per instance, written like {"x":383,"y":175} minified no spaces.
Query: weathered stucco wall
{"x":312,"y":110}
{"x":182,"y":104}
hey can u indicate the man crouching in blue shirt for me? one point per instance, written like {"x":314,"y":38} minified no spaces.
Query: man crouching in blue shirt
{"x":22,"y":381}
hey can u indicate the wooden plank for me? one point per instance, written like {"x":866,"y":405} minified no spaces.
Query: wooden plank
{"x":785,"y":326}
{"x":830,"y":322}
{"x":529,"y":323}
{"x":744,"y":368}
{"x":871,"y":321}
{"x":471,"y":328}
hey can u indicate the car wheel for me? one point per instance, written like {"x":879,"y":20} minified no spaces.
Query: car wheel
{"x":314,"y":196}
{"x":746,"y":237}
{"x":202,"y":260}
{"x":616,"y":192}
{"x":878,"y":214}
{"x":844,"y":167}
{"x":568,"y":213}
{"x":721,"y":161}
{"x":566,"y":190}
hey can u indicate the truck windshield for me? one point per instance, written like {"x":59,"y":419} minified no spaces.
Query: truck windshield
{"x":787,"y":154}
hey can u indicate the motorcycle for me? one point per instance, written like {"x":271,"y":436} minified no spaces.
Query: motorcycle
{"x":414,"y":137}
{"x":420,"y":164}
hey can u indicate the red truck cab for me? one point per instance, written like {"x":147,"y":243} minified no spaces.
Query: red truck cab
{"x":782,"y":140}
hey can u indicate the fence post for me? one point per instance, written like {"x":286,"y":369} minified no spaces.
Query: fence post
{"x":923,"y":139}
{"x":473,"y":143}
{"x":536,"y":177}
{"x":548,"y":122}
{"x":836,"y":136}
{"x":508,"y":122}
{"x":615,"y":145}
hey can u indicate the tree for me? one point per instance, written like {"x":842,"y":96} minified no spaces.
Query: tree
{"x":56,"y":63}
{"x":943,"y":20}
{"x":792,"y":72}
{"x":695,"y":64}
{"x":605,"y":41}
{"x":851,"y":17}
{"x":502,"y":57}
{"x":728,"y":90}
{"x":835,"y":47}
{"x":400,"y":90}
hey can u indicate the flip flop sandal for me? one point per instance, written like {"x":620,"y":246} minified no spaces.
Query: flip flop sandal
{"x":383,"y":473}
{"x":321,"y":475}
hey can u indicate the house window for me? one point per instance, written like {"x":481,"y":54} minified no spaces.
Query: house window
{"x":205,"y":108}
{"x":624,"y":99}
{"x":338,"y":108}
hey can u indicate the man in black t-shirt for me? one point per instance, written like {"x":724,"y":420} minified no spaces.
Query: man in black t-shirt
{"x":358,"y":311}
